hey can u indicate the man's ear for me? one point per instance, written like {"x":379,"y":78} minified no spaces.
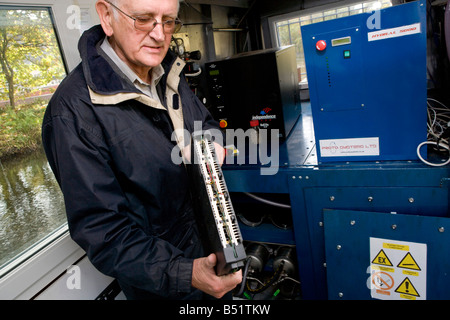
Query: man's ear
{"x":105,"y":14}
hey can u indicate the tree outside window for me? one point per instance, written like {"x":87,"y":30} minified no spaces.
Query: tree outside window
{"x":30,"y":59}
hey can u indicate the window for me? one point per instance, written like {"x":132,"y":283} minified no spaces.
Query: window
{"x":288,"y":31}
{"x":31,"y":67}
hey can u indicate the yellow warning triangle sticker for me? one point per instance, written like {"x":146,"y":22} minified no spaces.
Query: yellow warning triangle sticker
{"x":381,"y":258}
{"x":408,"y":262}
{"x":406,"y":287}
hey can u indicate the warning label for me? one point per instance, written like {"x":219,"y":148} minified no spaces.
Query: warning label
{"x":382,"y":280}
{"x":407,"y":288}
{"x":397,"y":269}
{"x":408,"y":262}
{"x":382,"y":259}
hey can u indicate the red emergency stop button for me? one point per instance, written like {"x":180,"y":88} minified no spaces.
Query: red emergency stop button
{"x":321,"y":45}
{"x":223,"y":124}
{"x":254,"y":123}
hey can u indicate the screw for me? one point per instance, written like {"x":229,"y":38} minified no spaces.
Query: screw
{"x":441,"y":229}
{"x":338,"y":247}
{"x":332,"y":198}
{"x":352,"y":223}
{"x":394,"y":226}
{"x":411,"y":200}
{"x":340,"y":294}
{"x":370,"y":199}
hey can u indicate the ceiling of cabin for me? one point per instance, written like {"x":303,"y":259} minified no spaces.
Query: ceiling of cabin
{"x":226,"y":3}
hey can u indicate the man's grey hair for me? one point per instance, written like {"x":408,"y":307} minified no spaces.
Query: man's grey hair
{"x":117,"y":3}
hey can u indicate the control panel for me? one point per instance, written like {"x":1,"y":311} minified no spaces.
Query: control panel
{"x":368,"y":84}
{"x":257,"y":89}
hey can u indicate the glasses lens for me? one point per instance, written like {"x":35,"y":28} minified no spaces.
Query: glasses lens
{"x":172,"y":26}
{"x":148,"y":24}
{"x":144,"y":24}
{"x":176,"y":26}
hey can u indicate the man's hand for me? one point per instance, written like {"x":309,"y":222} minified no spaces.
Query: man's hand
{"x":205,"y":279}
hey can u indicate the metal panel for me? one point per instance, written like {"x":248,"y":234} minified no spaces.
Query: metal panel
{"x":405,"y":200}
{"x":334,"y":74}
{"x":244,"y":95}
{"x":368,"y":91}
{"x":401,"y":186}
{"x":347,"y":246}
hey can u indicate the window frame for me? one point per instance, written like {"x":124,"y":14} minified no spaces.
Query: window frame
{"x":274,"y":20}
{"x":23,"y":276}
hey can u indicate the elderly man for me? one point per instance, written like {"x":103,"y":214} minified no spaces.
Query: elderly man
{"x":108,"y":133}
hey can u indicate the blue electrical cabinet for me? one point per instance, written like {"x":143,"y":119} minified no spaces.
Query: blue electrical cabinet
{"x":376,"y":229}
{"x":368,"y":84}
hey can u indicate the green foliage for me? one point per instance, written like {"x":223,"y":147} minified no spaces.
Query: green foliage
{"x":30,"y":66}
{"x":20,"y":128}
{"x":29,"y":54}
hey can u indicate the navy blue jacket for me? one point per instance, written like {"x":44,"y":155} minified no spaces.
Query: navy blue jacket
{"x":128,"y":204}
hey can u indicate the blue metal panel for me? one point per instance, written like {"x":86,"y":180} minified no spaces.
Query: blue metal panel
{"x":347,"y":245}
{"x":391,"y":184}
{"x":378,"y":92}
{"x":406,"y":188}
{"x":402,"y":200}
{"x":267,"y":233}
{"x":330,"y":68}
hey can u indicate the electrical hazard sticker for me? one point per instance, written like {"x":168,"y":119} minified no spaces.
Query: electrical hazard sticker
{"x":397,"y":270}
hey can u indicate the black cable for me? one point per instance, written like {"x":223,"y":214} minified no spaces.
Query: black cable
{"x":244,"y":277}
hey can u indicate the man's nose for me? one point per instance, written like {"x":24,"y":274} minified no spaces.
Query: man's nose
{"x":158,"y":33}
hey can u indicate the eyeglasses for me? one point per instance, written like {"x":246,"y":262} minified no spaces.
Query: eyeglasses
{"x":147,"y":24}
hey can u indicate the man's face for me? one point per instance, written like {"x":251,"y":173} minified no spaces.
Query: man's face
{"x":139,"y":49}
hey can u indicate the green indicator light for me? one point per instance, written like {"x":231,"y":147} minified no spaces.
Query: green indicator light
{"x":347,"y":54}
{"x":276,"y":292}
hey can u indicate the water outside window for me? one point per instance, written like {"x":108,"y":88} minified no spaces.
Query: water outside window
{"x":31,"y":204}
{"x":31,"y":67}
